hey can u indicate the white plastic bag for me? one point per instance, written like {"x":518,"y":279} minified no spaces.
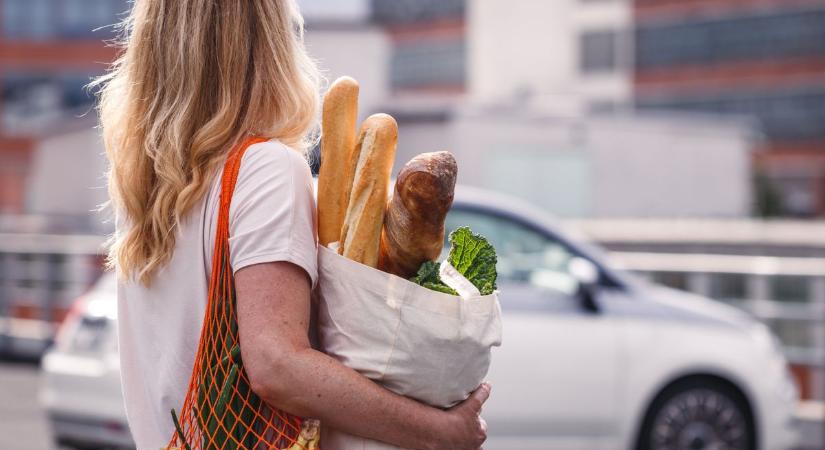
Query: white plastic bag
{"x":423,"y":344}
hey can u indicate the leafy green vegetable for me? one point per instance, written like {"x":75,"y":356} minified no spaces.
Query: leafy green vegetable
{"x":427,"y":273}
{"x":471,"y":255}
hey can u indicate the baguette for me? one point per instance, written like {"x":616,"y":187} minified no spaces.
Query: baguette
{"x":374,"y":156}
{"x":340,"y":112}
{"x":413,"y":230}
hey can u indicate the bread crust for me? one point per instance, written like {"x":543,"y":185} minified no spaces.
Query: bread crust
{"x":335,"y":177}
{"x":413,"y":230}
{"x":374,"y":156}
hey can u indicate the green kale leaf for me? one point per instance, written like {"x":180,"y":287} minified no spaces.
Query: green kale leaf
{"x":471,"y":255}
{"x":427,"y":273}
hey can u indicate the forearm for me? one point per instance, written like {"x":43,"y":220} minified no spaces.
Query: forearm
{"x":318,"y":386}
{"x":289,"y":374}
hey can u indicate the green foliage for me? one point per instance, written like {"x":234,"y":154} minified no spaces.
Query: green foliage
{"x":471,"y":255}
{"x":475,"y":258}
{"x":767,"y":198}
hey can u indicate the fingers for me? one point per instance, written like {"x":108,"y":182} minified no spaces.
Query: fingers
{"x":482,"y":424}
{"x":479,"y":396}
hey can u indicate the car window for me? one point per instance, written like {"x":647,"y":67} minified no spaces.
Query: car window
{"x":524,"y":255}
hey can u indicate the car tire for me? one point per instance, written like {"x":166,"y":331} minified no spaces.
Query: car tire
{"x":698,"y":414}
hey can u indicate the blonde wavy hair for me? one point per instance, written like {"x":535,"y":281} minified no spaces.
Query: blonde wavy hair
{"x":195,"y":77}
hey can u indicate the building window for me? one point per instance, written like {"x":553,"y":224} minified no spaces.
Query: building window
{"x":599,"y":51}
{"x":411,"y":11}
{"x":789,"y":115}
{"x":27,"y":19}
{"x":82,"y":17}
{"x":32,"y":101}
{"x":428,"y":64}
{"x":67,"y":19}
{"x":753,"y":37}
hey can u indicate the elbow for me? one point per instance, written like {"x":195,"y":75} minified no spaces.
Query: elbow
{"x":262,"y":385}
{"x":276,"y":384}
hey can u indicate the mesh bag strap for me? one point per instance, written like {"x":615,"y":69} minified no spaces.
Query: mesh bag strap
{"x":229,"y":178}
{"x":220,"y":411}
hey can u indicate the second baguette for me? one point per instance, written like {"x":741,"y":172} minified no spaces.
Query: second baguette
{"x":374,"y":155}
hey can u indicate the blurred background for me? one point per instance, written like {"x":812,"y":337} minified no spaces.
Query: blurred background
{"x":685,"y":137}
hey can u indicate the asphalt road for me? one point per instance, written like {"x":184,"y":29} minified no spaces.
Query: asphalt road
{"x":23,"y":424}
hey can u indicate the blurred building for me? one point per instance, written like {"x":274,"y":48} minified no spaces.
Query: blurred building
{"x":51,"y":49}
{"x":528,"y":87}
{"x":428,"y":45}
{"x":48,"y":51}
{"x":344,"y":40}
{"x":759,"y":59}
{"x":571,"y":56}
{"x":601,"y":166}
{"x":762,"y":58}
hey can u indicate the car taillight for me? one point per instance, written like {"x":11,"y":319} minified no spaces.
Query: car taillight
{"x":75,"y":312}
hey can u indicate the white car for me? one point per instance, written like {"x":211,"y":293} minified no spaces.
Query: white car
{"x":617,"y":363}
{"x":595,"y":362}
{"x":81,"y":375}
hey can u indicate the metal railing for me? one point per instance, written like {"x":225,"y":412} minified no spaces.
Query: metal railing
{"x":41,"y":275}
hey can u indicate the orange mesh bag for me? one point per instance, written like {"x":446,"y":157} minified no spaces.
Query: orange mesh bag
{"x":220,"y":411}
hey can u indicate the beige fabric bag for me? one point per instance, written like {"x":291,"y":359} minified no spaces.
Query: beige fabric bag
{"x":423,"y":344}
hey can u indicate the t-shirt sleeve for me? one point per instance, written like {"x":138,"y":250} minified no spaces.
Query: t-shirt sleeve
{"x":272,"y":214}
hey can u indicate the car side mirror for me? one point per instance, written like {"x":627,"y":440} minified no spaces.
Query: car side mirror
{"x":586,"y":275}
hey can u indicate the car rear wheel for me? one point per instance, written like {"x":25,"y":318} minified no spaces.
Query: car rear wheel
{"x":700,"y":414}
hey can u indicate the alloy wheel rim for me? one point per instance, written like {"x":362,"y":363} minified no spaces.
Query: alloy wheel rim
{"x":699,"y":419}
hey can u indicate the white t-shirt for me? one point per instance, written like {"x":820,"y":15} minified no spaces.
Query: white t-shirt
{"x":272,"y":218}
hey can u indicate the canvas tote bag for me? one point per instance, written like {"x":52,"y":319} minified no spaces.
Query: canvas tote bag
{"x":423,"y":344}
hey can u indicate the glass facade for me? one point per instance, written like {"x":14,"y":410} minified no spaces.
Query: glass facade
{"x":411,"y":11}
{"x":18,"y":86}
{"x":60,"y":19}
{"x":796,"y":114}
{"x":428,"y":63}
{"x":755,"y":36}
{"x":32,"y":99}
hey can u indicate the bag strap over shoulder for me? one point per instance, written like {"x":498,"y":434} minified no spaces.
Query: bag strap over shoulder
{"x":229,"y":177}
{"x":221,"y":274}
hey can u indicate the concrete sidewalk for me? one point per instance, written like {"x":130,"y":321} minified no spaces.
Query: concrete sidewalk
{"x":811,"y":417}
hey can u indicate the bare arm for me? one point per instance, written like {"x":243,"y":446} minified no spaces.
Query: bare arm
{"x":273,"y":319}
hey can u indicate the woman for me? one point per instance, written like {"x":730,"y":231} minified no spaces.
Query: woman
{"x":196,"y":78}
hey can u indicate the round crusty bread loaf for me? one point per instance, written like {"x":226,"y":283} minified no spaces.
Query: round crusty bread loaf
{"x":413,"y":230}
{"x":338,"y":122}
{"x":374,"y":156}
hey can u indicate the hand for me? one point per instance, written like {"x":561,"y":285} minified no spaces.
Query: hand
{"x":464,"y":428}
